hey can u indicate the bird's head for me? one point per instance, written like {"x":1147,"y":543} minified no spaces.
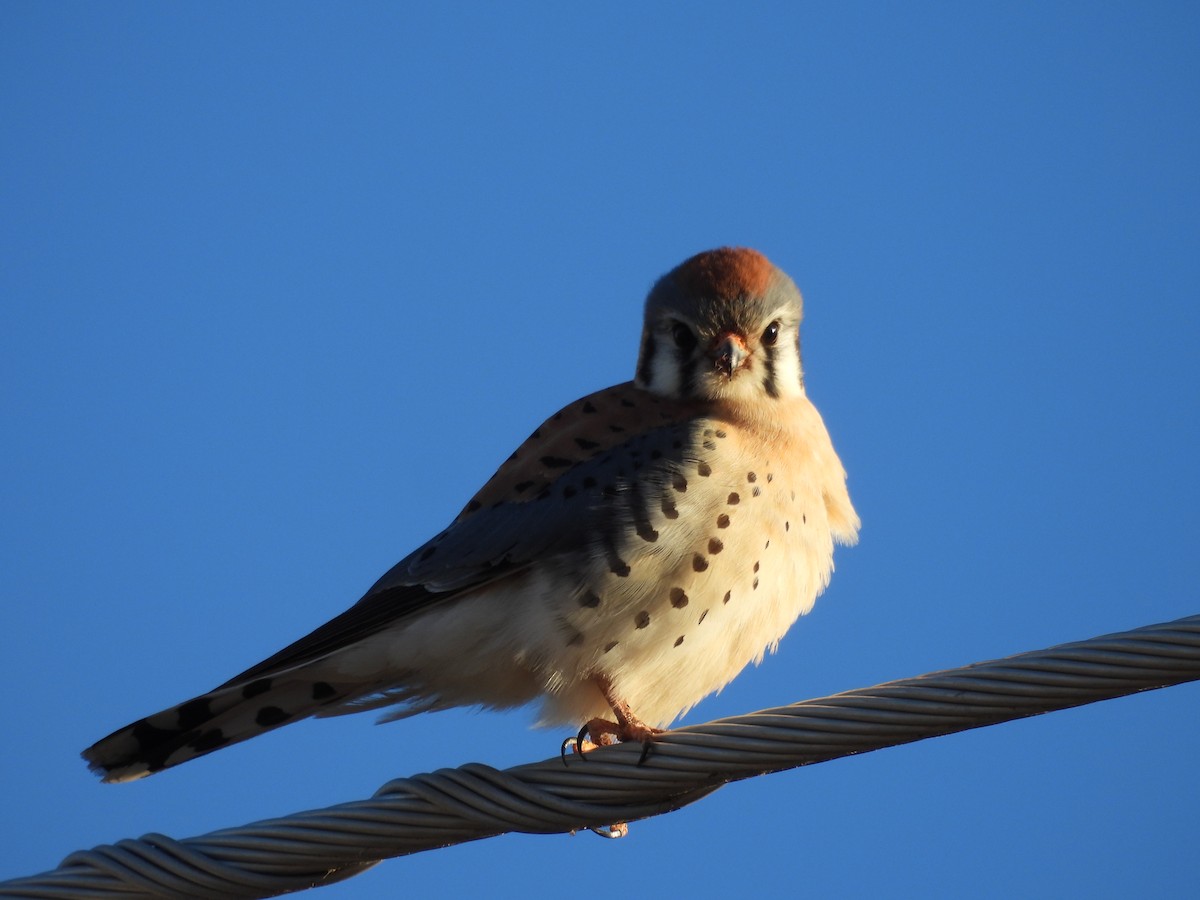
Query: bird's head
{"x":722,"y":326}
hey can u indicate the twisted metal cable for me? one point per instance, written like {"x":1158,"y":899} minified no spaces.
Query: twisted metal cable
{"x":452,"y":806}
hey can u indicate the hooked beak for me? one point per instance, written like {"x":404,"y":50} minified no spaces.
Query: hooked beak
{"x":729,"y":353}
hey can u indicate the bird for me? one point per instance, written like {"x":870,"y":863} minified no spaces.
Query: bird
{"x":644,"y":545}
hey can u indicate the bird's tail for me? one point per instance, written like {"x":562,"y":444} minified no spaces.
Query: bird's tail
{"x":231,"y":713}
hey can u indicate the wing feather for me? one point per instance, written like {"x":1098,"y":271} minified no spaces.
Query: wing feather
{"x":552,"y":494}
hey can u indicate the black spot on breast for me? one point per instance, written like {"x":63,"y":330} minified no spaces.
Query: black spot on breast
{"x":642,"y":619}
{"x":668,"y":508}
{"x":699,"y":563}
{"x":715,"y":545}
{"x":679,"y":599}
{"x":646,"y":533}
{"x":733,"y":499}
{"x":254,"y":688}
{"x":704,"y":469}
{"x":610,"y":645}
{"x":751,"y":477}
{"x":322,"y":690}
{"x":591,"y":600}
{"x":679,"y":483}
{"x":271,"y":715}
{"x":728,"y":594}
{"x":679,"y":640}
{"x":722,"y":521}
{"x":757,"y":491}
{"x":719,"y":433}
{"x":576,"y":640}
{"x":787,"y":526}
{"x":701,"y":619}
{"x":710,"y":445}
{"x":619,"y":568}
{"x":193,"y":713}
{"x":755,"y":585}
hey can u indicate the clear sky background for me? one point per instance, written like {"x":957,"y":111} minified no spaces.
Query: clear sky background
{"x":282,"y":284}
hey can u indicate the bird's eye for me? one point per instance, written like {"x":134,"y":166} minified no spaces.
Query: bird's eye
{"x":683,"y":337}
{"x":771,"y":335}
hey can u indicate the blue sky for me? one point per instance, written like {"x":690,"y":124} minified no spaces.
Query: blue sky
{"x":284,"y":283}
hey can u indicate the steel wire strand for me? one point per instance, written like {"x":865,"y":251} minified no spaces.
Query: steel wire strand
{"x":609,"y":785}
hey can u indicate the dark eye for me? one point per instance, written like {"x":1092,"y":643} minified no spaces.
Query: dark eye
{"x":771,"y":335}
{"x":683,"y":337}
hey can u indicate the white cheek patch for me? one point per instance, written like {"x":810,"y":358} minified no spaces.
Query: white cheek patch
{"x":788,"y":377}
{"x":663,"y":369}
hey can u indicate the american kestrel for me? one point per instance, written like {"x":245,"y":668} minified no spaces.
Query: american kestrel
{"x":633,"y":555}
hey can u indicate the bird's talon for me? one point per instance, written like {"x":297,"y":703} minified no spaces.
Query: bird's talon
{"x":647,"y":747}
{"x":614,"y":831}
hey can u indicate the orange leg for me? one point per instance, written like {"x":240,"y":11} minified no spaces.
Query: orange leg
{"x":603,"y":733}
{"x":628,"y":727}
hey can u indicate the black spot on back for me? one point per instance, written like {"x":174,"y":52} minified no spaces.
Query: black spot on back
{"x":148,"y":735}
{"x":270,"y":716}
{"x":194,"y":712}
{"x":212,"y":739}
{"x":322,"y":690}
{"x":254,"y":688}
